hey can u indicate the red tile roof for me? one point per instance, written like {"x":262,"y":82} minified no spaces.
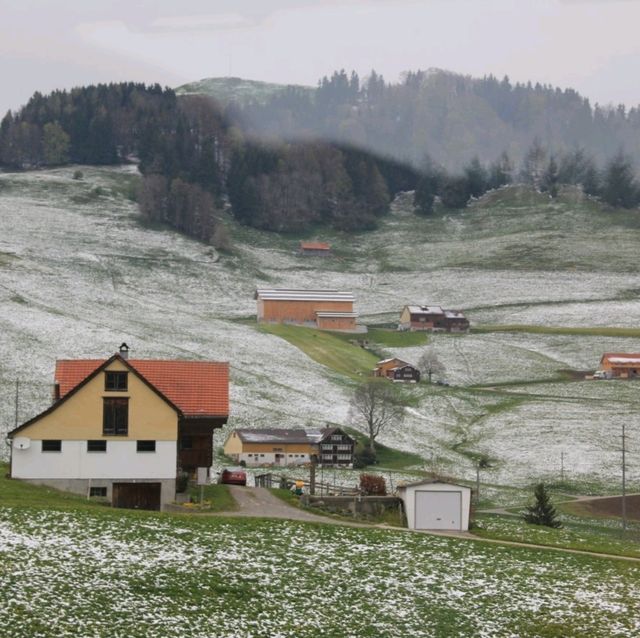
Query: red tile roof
{"x":197,"y":388}
{"x":314,"y":245}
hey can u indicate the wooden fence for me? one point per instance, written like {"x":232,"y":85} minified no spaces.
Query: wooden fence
{"x":286,"y":482}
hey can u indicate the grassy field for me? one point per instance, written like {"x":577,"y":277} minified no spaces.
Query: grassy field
{"x":559,"y":330}
{"x":256,"y":578}
{"x":577,"y":533}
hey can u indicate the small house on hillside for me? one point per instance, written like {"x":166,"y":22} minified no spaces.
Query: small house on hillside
{"x":432,"y":318}
{"x":324,"y":309}
{"x":436,"y":505}
{"x":315,"y":249}
{"x":620,"y":365}
{"x":122,"y":428}
{"x":397,"y":370}
{"x":330,"y":446}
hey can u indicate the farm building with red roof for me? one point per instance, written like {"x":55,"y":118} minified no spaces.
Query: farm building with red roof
{"x":122,"y":428}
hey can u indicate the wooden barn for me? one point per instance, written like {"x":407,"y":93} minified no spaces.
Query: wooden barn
{"x":620,"y":365}
{"x":315,"y":249}
{"x":397,"y":370}
{"x":433,"y":318}
{"x":324,"y":309}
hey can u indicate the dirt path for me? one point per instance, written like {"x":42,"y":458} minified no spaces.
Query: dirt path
{"x":259,"y":502}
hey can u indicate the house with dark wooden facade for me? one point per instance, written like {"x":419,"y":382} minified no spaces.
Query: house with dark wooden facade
{"x":324,"y":309}
{"x":620,"y":365}
{"x":397,"y":370}
{"x":123,"y":428}
{"x":269,"y":446}
{"x":432,"y":318}
{"x":315,"y":249}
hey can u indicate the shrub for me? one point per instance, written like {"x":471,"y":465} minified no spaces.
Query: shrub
{"x":373,"y":485}
{"x":364,"y":457}
{"x":78,"y":174}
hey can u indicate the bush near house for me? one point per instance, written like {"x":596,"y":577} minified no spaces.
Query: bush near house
{"x":373,"y":485}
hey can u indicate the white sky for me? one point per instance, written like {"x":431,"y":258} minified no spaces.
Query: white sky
{"x":590,"y":45}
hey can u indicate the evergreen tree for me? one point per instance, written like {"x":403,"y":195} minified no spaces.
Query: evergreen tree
{"x":477,"y":178}
{"x":542,"y":512}
{"x":455,"y":192}
{"x":500,"y":172}
{"x":550,"y":181}
{"x":619,"y":187}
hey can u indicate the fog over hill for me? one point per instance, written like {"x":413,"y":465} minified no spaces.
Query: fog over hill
{"x":451,"y":117}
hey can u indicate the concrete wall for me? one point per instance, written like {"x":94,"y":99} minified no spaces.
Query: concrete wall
{"x":367,"y":505}
{"x":121,"y":460}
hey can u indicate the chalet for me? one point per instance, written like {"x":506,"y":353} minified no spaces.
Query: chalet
{"x":122,"y":428}
{"x":620,"y":365}
{"x":324,"y":309}
{"x":315,"y":249}
{"x":397,"y":370}
{"x":330,"y":446}
{"x":433,"y":318}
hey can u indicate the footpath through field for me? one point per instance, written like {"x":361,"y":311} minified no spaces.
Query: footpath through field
{"x":259,"y":502}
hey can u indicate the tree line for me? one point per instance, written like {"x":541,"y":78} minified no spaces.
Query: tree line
{"x":614,"y":182}
{"x":450,"y":116}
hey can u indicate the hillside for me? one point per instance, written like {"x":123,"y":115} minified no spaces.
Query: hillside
{"x":451,"y":117}
{"x":513,"y":257}
{"x":238,"y":90}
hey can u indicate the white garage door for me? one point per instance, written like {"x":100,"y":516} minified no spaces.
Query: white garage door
{"x":438,"y":510}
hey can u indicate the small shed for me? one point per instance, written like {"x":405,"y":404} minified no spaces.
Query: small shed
{"x":436,"y":505}
{"x":315,"y":248}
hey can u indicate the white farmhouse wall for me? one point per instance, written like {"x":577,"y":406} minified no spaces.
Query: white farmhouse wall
{"x":408,"y":496}
{"x":269,"y":458}
{"x":120,"y":461}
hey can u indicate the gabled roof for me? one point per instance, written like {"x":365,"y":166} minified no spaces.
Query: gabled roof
{"x":338,"y":315}
{"x":621,"y":357}
{"x":454,"y":314}
{"x":314,"y":245}
{"x":286,"y":294}
{"x":191,"y":388}
{"x":425,"y":310}
{"x":284,"y":435}
{"x":431,"y":482}
{"x":196,"y":388}
{"x":399,"y":361}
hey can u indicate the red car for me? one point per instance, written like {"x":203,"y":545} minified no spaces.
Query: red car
{"x":233,"y":476}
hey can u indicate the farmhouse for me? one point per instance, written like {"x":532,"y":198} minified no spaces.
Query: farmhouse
{"x":436,"y":505}
{"x":331,"y":446}
{"x":315,"y":249}
{"x":121,"y":428}
{"x":433,"y":318}
{"x":324,"y":309}
{"x":620,"y":365}
{"x":396,"y":370}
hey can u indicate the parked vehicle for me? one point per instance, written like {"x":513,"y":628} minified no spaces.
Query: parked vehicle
{"x":233,"y":476}
{"x":600,"y":374}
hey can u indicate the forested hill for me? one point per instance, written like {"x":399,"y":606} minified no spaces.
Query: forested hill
{"x":193,"y":160}
{"x":451,"y":117}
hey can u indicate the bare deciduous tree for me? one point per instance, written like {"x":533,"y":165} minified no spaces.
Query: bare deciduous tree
{"x":429,"y":363}
{"x":376,"y":404}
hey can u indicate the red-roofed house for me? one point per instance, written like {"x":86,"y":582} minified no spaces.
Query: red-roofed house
{"x":123,"y":428}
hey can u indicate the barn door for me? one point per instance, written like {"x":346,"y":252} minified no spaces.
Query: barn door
{"x":139,"y":496}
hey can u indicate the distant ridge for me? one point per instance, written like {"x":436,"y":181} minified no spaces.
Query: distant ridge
{"x":228,"y":89}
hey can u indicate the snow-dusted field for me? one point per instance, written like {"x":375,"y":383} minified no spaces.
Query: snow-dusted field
{"x":79,"y":275}
{"x":127,"y":576}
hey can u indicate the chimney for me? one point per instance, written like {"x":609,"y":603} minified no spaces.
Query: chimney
{"x":123,"y":351}
{"x":55,"y":395}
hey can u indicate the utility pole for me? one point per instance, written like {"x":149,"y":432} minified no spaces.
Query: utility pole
{"x":17,"y":400}
{"x":624,"y":479}
{"x":562,"y":467}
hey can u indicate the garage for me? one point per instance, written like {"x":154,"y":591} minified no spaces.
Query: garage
{"x":138,"y":496}
{"x":435,"y":505}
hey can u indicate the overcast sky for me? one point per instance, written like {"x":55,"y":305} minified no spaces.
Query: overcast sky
{"x":590,"y":45}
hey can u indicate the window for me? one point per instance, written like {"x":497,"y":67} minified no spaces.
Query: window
{"x":52,"y":445}
{"x":145,"y":446}
{"x":98,"y":491}
{"x":116,"y":381}
{"x":96,"y":446}
{"x":115,"y":420}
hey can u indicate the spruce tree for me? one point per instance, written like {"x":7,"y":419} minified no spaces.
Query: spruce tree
{"x":619,"y":187}
{"x":542,"y":512}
